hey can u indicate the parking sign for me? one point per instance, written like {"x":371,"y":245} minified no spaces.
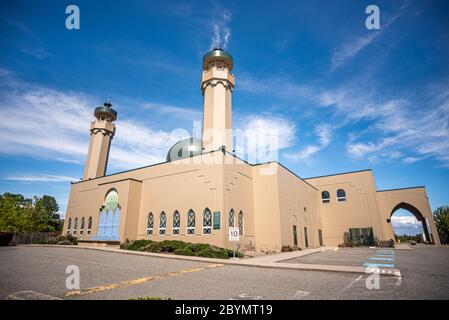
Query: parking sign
{"x":234,"y":234}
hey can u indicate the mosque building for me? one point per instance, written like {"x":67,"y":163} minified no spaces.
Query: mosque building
{"x":203,"y":189}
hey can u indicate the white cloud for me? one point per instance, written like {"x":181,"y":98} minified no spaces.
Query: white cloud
{"x":405,"y":221}
{"x":221,"y":31}
{"x":352,"y":47}
{"x":259,"y":138}
{"x":324,"y":135}
{"x":41,"y":178}
{"x":54,"y":125}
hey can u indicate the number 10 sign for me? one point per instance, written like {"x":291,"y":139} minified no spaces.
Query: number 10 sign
{"x":234,"y":234}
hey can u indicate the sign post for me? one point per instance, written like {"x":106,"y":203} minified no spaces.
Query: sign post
{"x":234,"y":235}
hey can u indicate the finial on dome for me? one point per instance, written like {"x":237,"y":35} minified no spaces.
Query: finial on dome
{"x":106,"y":112}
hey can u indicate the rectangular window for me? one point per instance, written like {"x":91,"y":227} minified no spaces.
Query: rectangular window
{"x":295,"y":236}
{"x":88,"y":231}
{"x":162,"y":231}
{"x":306,"y":238}
{"x":207,"y":230}
{"x":326,"y":200}
{"x":149,"y":231}
{"x":320,"y":237}
{"x":175,"y":231}
{"x":190,"y":231}
{"x":340,"y":199}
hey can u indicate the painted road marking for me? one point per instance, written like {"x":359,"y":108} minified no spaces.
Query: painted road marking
{"x":378,"y":265}
{"x":380,"y":258}
{"x":134,"y":282}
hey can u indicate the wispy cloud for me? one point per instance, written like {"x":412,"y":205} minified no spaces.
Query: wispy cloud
{"x":220,"y":27}
{"x":53,"y":125}
{"x":183,"y":113}
{"x":260,"y":137}
{"x":405,"y":127}
{"x":352,"y":47}
{"x":324,"y":135}
{"x":40,"y":178}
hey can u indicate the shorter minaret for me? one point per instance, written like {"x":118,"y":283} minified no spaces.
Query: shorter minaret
{"x":101,"y":133}
{"x":217,"y":84}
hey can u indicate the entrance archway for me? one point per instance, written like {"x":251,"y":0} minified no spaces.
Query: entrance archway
{"x":418,"y":215}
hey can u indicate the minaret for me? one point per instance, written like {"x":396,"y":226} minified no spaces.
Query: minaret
{"x":101,"y":132}
{"x":217,"y":84}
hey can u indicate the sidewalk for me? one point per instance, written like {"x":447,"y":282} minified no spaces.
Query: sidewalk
{"x":268,"y":261}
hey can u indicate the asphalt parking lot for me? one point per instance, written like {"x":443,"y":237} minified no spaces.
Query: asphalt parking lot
{"x":109,"y":275}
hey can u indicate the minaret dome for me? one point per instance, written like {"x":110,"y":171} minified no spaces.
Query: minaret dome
{"x":218,"y":56}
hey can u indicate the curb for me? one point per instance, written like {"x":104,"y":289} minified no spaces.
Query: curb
{"x":248,"y":263}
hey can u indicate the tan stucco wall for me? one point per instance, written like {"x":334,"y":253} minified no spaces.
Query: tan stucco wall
{"x":417,"y":197}
{"x":298,"y":205}
{"x":358,"y":211}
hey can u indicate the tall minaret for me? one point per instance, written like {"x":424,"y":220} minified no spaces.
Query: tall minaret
{"x":217,"y":84}
{"x":101,"y":132}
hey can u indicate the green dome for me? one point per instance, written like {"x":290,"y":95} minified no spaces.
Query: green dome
{"x":218,"y":54}
{"x":184,"y":149}
{"x":106,"y":112}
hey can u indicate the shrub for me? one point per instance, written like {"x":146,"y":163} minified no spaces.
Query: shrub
{"x":172,"y":245}
{"x":137,"y":245}
{"x":211,"y":253}
{"x":286,"y":249}
{"x":197,"y":247}
{"x":184,"y":252}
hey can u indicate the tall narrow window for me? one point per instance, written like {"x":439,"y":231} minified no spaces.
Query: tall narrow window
{"x":176,"y":223}
{"x":306,"y":238}
{"x":325,"y":197}
{"x":89,"y":225}
{"x":162,"y":223}
{"x":240,"y":220}
{"x":69,"y":225}
{"x":191,"y":222}
{"x":341,"y":195}
{"x":295,"y":236}
{"x":75,"y":227}
{"x":207,"y":221}
{"x":82,"y":225}
{"x":231,"y":218}
{"x":150,"y":224}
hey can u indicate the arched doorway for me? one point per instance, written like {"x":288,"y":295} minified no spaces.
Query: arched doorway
{"x":405,"y":210}
{"x":109,"y":220}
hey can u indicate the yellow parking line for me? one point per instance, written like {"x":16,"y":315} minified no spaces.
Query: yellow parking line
{"x":83,"y":292}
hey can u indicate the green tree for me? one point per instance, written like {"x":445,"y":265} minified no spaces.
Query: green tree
{"x":441,"y":217}
{"x":20,"y":214}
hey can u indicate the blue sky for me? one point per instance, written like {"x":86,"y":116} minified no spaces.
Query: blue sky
{"x":342,"y":97}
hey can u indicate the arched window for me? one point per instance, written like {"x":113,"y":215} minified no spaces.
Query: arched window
{"x":191,"y":222}
{"x":75,"y":227}
{"x":162,"y":223}
{"x":69,"y":225}
{"x":176,"y":222}
{"x":240,"y":221}
{"x":231,"y":219}
{"x":207,"y":221}
{"x":150,"y":224}
{"x":325,"y":197}
{"x":82,"y":225}
{"x":89,"y":225}
{"x":109,"y":218}
{"x":341,"y":195}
